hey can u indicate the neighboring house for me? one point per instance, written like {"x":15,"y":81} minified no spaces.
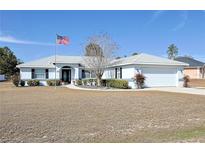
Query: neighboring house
{"x":158,"y":71}
{"x":2,"y":77}
{"x":195,"y":70}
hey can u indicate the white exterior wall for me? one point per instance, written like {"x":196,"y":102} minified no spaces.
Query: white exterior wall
{"x":109,"y":73}
{"x":51,"y":73}
{"x":155,"y":75}
{"x":127,"y":74}
{"x":76,"y":73}
{"x":163,"y":75}
{"x":25,"y":73}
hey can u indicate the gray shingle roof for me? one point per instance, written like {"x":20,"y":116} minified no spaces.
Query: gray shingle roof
{"x":145,"y":59}
{"x":48,"y":62}
{"x":192,"y":62}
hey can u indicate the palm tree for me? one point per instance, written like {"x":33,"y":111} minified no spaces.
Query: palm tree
{"x":172,"y":51}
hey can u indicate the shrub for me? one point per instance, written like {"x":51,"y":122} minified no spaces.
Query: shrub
{"x":79,"y":82}
{"x":85,"y":81}
{"x":103,"y":82}
{"x":95,"y":82}
{"x":73,"y":82}
{"x":90,"y":81}
{"x":139,"y":79}
{"x":15,"y":79}
{"x":186,"y":79}
{"x":52,"y":82}
{"x":22,"y":83}
{"x":117,"y":83}
{"x":33,"y":82}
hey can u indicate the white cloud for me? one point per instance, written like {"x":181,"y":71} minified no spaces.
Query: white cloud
{"x":10,"y":39}
{"x":155,"y":16}
{"x":183,"y":21}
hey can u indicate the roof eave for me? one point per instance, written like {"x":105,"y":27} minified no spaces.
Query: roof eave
{"x":150,"y":64}
{"x":35,"y":66}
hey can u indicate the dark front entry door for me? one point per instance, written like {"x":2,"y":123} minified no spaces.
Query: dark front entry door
{"x":66,"y":76}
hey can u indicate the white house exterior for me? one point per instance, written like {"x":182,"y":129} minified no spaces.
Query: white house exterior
{"x":158,"y":71}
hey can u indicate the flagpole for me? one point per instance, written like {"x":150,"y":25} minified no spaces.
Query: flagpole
{"x":55,"y":62}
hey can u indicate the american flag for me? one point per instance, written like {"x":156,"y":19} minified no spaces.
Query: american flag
{"x":62,"y":40}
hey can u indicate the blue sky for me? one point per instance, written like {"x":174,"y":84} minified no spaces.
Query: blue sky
{"x":31,"y":34}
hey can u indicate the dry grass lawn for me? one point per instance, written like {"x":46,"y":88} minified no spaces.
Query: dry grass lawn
{"x":43,"y":114}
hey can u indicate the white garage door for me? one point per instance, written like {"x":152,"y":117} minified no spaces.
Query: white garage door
{"x":156,"y":77}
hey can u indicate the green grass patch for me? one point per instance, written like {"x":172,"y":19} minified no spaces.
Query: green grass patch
{"x":189,"y":134}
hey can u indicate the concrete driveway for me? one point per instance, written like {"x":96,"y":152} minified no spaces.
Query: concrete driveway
{"x":181,"y":90}
{"x":195,"y":91}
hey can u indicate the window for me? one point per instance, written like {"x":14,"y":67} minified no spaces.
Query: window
{"x":118,"y":73}
{"x":83,"y":74}
{"x":39,"y":73}
{"x":32,"y":73}
{"x":88,"y":74}
{"x":93,"y":74}
{"x":47,"y":74}
{"x":115,"y":73}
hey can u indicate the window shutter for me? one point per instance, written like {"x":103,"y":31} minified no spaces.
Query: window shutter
{"x":120,"y":72}
{"x":32,"y":73}
{"x":115,"y":73}
{"x":47,"y":74}
{"x":83,"y":74}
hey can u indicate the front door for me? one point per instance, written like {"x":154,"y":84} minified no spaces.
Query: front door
{"x":66,"y":76}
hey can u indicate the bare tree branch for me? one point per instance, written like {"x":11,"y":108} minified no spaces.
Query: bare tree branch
{"x":104,"y":47}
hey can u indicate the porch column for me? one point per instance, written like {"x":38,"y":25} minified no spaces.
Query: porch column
{"x":76,"y":76}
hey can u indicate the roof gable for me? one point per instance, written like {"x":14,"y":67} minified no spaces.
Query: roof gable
{"x":146,"y":59}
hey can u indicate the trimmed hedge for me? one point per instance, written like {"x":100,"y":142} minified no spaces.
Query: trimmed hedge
{"x":85,"y":82}
{"x":91,"y":82}
{"x":52,"y":82}
{"x":114,"y":83}
{"x":79,"y":82}
{"x":117,"y":83}
{"x":103,"y":82}
{"x":33,"y":83}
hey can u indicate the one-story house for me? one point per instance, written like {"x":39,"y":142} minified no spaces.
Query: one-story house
{"x":158,"y":71}
{"x":195,"y":70}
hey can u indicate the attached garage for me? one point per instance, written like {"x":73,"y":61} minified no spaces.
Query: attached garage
{"x":159,"y":72}
{"x":159,"y":76}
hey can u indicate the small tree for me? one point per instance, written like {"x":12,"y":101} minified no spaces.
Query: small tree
{"x":100,"y":49}
{"x":140,"y":80}
{"x":172,"y":51}
{"x":118,"y":57}
{"x":135,"y":53}
{"x":186,"y":79}
{"x":93,"y":49}
{"x":15,"y":79}
{"x":8,"y":62}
